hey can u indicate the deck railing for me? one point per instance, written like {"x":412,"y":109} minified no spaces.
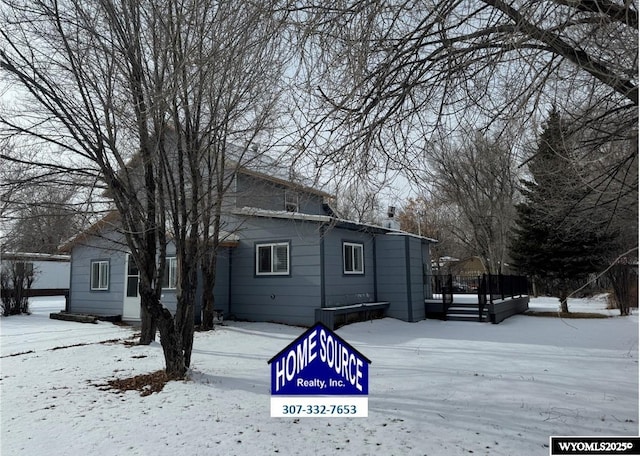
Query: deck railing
{"x":503,"y":286}
{"x":488,"y":287}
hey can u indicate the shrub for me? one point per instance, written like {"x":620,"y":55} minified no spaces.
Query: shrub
{"x":16,"y":278}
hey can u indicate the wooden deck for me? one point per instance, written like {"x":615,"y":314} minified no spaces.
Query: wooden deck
{"x":465,"y":307}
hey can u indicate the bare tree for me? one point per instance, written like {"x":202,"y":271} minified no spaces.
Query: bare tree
{"x":478,"y":176}
{"x":93,"y":98}
{"x":159,"y":89}
{"x":359,"y":201}
{"x":385,"y":76}
{"x":433,"y":217}
{"x":242,"y":96}
{"x":41,"y":220}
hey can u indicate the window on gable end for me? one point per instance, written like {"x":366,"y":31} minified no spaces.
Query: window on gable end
{"x":291,"y":201}
{"x":100,"y":275}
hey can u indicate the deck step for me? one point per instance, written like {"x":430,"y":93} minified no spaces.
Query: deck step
{"x":466,"y":318}
{"x":466,"y":312}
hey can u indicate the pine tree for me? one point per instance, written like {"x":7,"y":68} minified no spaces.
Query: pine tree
{"x":558,"y":238}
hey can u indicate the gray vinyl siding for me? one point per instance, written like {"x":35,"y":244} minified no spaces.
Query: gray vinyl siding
{"x":84,"y":300}
{"x":220,"y":289}
{"x":416,"y":277}
{"x":264,"y":194}
{"x":344,"y":289}
{"x":401,"y":262}
{"x":287,"y":299}
{"x":391,"y":274}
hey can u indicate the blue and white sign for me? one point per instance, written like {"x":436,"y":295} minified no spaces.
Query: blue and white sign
{"x":319,"y":374}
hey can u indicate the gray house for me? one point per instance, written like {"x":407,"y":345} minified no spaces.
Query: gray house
{"x":285,"y":257}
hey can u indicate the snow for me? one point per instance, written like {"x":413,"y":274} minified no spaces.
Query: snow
{"x":437,"y":388}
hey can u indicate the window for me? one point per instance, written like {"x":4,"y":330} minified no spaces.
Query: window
{"x":290,"y":201}
{"x":100,"y":275}
{"x":272,"y":259}
{"x":170,"y":279}
{"x":133,"y":278}
{"x":353,"y":258}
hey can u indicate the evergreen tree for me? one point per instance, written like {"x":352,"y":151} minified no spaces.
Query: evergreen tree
{"x":558,"y":238}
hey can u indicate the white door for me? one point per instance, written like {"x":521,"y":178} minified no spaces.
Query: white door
{"x":131,"y":306}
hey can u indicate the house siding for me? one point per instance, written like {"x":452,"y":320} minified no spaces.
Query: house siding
{"x":84,"y":300}
{"x":220,"y":289}
{"x":391,"y":275}
{"x":48,"y":274}
{"x":401,"y":262}
{"x":416,"y":277}
{"x":263,"y":194}
{"x":288,"y":299}
{"x":344,"y":289}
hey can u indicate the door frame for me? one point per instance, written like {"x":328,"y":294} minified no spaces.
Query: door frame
{"x":131,"y":304}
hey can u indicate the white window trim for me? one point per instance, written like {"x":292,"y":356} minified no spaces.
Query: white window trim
{"x":355,"y":247}
{"x":103,"y":273}
{"x":172,"y":274}
{"x":272,"y":246}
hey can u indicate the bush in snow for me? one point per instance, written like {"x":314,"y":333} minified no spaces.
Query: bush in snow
{"x":16,"y":278}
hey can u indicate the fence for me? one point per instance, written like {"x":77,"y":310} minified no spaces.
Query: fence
{"x":503,"y":286}
{"x":489,"y":287}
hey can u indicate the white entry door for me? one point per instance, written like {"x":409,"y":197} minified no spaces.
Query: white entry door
{"x":131,"y":306}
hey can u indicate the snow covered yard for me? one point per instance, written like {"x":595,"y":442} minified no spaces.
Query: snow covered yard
{"x":436,"y":388}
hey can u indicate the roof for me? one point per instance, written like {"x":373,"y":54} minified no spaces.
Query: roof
{"x":338,"y":222}
{"x":110,"y":219}
{"x":32,"y":256}
{"x":283,"y":182}
{"x":226,"y":238}
{"x":252,"y":162}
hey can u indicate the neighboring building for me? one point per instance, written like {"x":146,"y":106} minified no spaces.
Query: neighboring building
{"x":471,"y":266}
{"x":51,"y":272}
{"x":284,"y":255}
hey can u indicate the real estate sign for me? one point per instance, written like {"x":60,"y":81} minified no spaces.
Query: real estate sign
{"x":319,"y":374}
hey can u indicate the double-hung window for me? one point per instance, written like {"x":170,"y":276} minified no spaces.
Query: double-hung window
{"x":170,"y":278}
{"x":100,"y":275}
{"x":272,"y":259}
{"x":353,"y":256}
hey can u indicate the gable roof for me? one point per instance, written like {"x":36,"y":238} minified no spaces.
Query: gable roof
{"x":251,"y":162}
{"x":112,"y":218}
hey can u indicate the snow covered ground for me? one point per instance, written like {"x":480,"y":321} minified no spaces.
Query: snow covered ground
{"x":436,"y":388}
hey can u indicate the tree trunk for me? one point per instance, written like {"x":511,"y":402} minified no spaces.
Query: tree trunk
{"x":207,"y":313}
{"x":172,"y":348}
{"x":186,"y":297}
{"x":148,"y":327}
{"x":209,"y":263}
{"x":170,"y":338}
{"x":564,"y":306}
{"x":621,"y":282}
